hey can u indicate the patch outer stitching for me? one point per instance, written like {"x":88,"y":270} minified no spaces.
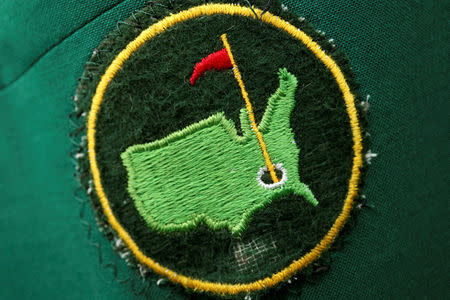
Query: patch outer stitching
{"x":267,"y":17}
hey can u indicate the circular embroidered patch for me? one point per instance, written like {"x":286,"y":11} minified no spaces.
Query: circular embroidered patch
{"x":224,"y":147}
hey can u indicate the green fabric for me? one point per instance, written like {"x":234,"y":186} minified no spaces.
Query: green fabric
{"x":398,"y":248}
{"x":208,"y":173}
{"x":30,"y":31}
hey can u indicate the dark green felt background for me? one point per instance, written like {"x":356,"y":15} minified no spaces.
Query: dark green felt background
{"x":398,"y":248}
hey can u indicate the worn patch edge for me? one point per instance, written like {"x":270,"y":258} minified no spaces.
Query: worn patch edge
{"x":325,"y":243}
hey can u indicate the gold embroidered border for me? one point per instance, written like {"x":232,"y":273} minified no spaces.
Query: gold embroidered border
{"x":158,"y":28}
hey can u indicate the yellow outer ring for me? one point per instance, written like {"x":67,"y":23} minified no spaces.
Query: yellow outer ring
{"x":295,"y":266}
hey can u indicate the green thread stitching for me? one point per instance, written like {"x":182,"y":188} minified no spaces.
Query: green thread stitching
{"x":207,"y":172}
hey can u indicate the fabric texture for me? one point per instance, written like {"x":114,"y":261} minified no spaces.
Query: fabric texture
{"x":397,"y":249}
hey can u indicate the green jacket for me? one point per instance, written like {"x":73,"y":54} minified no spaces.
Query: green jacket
{"x":399,"y":53}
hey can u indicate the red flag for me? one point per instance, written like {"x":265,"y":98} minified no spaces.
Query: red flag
{"x":218,"y":60}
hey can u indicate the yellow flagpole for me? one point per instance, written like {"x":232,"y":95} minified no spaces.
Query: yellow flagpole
{"x":249,"y":108}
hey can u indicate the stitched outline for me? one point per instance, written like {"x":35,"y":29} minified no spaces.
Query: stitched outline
{"x":271,"y":186}
{"x":277,"y":22}
{"x":249,"y":108}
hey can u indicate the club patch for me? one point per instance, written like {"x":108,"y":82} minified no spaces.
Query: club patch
{"x":223,"y":144}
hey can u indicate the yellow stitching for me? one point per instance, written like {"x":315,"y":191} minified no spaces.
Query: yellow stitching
{"x":295,"y":266}
{"x":249,"y":107}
